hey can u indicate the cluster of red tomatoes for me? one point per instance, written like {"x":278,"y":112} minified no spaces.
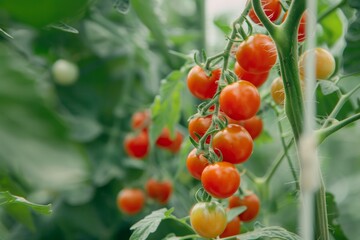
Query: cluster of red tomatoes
{"x":137,"y":146}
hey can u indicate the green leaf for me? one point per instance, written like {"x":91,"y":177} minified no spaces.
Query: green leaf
{"x":171,"y":226}
{"x":351,"y":54}
{"x":354,"y":4}
{"x":166,"y":108}
{"x":233,"y":212}
{"x":8,"y":198}
{"x":328,"y":87}
{"x":83,"y":129}
{"x":5,"y":33}
{"x":149,"y":224}
{"x":269,"y":232}
{"x":122,"y":6}
{"x":333,"y":218}
{"x":64,"y":27}
{"x":222,"y":23}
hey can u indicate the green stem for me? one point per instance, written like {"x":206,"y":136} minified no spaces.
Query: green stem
{"x":270,"y":27}
{"x":323,"y":133}
{"x":331,"y":10}
{"x":321,"y":211}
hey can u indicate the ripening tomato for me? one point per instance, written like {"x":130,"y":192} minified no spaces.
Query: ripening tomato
{"x":255,"y":78}
{"x":272,"y":9}
{"x":196,"y":164}
{"x":253,"y":126}
{"x":130,"y":200}
{"x":234,"y":143}
{"x":137,"y":146}
{"x":277,"y":91}
{"x":257,"y":54}
{"x":199,"y":126}
{"x":250,"y":201}
{"x":201,"y":85}
{"x":232,"y":228}
{"x":221,"y":179}
{"x":301,"y":29}
{"x":325,"y":63}
{"x":208,"y":219}
{"x":240,"y":100}
{"x":140,"y":120}
{"x":165,"y":141}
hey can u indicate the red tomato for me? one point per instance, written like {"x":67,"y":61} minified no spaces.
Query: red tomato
{"x":140,"y":120}
{"x":130,"y":200}
{"x":253,"y":125}
{"x":272,"y":9}
{"x":165,"y":141}
{"x":301,"y":29}
{"x":252,"y":204}
{"x":203,"y":86}
{"x":152,"y":188}
{"x":137,"y":146}
{"x":240,"y":100}
{"x":255,"y":78}
{"x":208,"y":219}
{"x":196,"y":164}
{"x":234,"y":143}
{"x":232,"y":228}
{"x":221,"y":179}
{"x":257,"y":54}
{"x":165,"y":191}
{"x":199,"y":125}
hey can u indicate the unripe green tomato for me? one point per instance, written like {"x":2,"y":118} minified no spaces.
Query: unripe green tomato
{"x":65,"y":72}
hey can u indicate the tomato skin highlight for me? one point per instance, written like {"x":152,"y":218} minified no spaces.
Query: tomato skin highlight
{"x":252,"y":203}
{"x":130,"y":200}
{"x":240,"y":100}
{"x":257,"y":79}
{"x":137,"y":146}
{"x":272,"y":9}
{"x":140,"y":120}
{"x":196,"y":164}
{"x":199,"y":125}
{"x":200,"y":85}
{"x":232,"y":228}
{"x":234,"y":143}
{"x":221,"y":179}
{"x":257,"y":54}
{"x":208,"y":219}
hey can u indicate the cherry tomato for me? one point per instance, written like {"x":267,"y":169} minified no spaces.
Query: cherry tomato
{"x":252,"y":203}
{"x":152,"y":188}
{"x":232,"y":228}
{"x":325,"y":63}
{"x":203,"y":86}
{"x":196,"y":164}
{"x":253,"y":125}
{"x":234,"y":143}
{"x":255,"y":78}
{"x":165,"y":191}
{"x":199,"y":126}
{"x":240,"y":100}
{"x":221,"y":179}
{"x":301,"y":29}
{"x":140,"y":120}
{"x":130,"y":200}
{"x":137,"y":146}
{"x":208,"y":219}
{"x":257,"y":54}
{"x":65,"y":72}
{"x":165,"y":141}
{"x":272,"y":9}
{"x":277,"y":91}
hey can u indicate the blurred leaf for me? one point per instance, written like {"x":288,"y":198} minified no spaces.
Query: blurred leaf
{"x":354,"y":3}
{"x":5,"y":33}
{"x":8,"y":198}
{"x":233,"y":212}
{"x":327,"y":87}
{"x":122,"y":6}
{"x":64,"y":27}
{"x":269,"y":232}
{"x":149,"y":224}
{"x":332,"y":25}
{"x":222,"y":23}
{"x":171,"y":226}
{"x":165,"y":111}
{"x":4,"y":233}
{"x":83,"y":129}
{"x":351,"y":54}
{"x":333,"y":218}
{"x":264,"y":137}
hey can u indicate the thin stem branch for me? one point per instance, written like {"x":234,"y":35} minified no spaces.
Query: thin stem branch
{"x":331,"y":10}
{"x":270,"y":27}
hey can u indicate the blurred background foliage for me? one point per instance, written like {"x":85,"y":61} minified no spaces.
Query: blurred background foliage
{"x":63,"y":144}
